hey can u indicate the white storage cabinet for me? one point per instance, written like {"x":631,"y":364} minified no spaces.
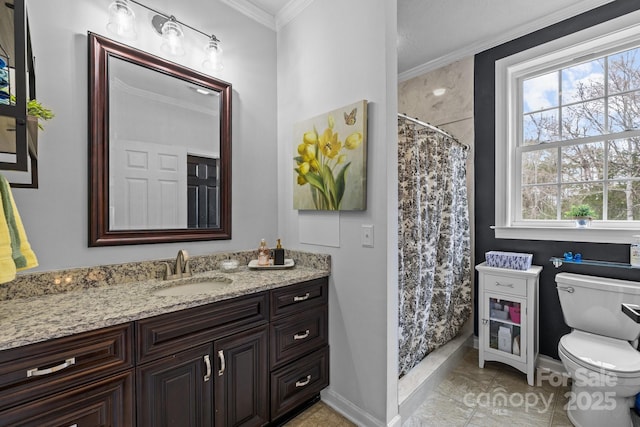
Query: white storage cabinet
{"x":508,"y":317}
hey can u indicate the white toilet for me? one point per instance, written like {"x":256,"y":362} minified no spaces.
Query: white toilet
{"x":600,"y":352}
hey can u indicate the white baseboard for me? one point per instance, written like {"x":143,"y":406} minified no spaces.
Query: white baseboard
{"x":395,"y":422}
{"x":352,"y":412}
{"x":550,"y":364}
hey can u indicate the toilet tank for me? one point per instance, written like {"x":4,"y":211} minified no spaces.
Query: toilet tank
{"x":595,"y":304}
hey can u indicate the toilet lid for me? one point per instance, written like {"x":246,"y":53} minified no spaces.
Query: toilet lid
{"x":598,"y":352}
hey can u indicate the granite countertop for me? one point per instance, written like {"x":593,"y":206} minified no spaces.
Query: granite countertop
{"x":39,"y":318}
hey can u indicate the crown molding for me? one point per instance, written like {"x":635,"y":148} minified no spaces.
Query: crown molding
{"x":482,"y":45}
{"x":252,"y":11}
{"x":282,"y":18}
{"x":292,"y":9}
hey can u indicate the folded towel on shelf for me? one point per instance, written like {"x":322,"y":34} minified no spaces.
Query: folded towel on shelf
{"x":15,"y":251}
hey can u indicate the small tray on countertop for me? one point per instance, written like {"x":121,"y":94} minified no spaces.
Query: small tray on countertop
{"x":288,"y":263}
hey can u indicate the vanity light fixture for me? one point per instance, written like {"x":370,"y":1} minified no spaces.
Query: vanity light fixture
{"x":122,"y":20}
{"x":213,"y":52}
{"x":122,"y":24}
{"x":172,"y":37}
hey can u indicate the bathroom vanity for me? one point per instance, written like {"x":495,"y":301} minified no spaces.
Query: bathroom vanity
{"x":248,"y":354}
{"x":508,"y":317}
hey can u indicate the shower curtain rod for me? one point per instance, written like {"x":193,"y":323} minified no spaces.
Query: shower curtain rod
{"x":432,"y":127}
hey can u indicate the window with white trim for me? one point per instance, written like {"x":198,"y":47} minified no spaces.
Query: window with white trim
{"x":580,"y":139}
{"x":568,"y":134}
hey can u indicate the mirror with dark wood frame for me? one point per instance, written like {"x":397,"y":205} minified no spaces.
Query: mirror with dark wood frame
{"x":160,"y":149}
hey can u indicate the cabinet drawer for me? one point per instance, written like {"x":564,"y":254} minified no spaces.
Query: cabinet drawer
{"x":298,"y":334}
{"x":298,"y":382}
{"x":298,"y":298}
{"x":168,"y":333}
{"x":29,"y":372}
{"x":505,"y":284}
{"x":107,"y":402}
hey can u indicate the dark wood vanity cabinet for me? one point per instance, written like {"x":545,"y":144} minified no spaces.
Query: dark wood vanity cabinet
{"x":245,"y":361}
{"x":242,"y":379}
{"x":176,"y":390}
{"x":193,"y":388}
{"x":299,"y":347}
{"x":205,"y":366}
{"x":85,"y":379}
{"x":106,"y":402}
{"x":242,"y":362}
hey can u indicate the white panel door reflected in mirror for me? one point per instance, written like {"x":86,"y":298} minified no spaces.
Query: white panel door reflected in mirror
{"x":148,"y":185}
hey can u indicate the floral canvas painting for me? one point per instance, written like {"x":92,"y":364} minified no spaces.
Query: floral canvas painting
{"x":330,"y":160}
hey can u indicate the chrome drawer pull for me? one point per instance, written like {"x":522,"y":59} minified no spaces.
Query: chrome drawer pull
{"x":207,"y":362}
{"x":301,"y":336}
{"x":222,"y":364}
{"x":506,"y":285}
{"x":566,"y":289}
{"x":36,"y":372}
{"x":303,"y":383}
{"x":73,"y":425}
{"x":301,"y":298}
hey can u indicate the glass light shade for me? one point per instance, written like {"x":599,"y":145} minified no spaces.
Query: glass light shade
{"x":122,"y":20}
{"x":213,"y":52}
{"x":172,"y":38}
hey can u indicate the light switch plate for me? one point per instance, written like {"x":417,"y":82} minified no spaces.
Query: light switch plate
{"x":367,"y":235}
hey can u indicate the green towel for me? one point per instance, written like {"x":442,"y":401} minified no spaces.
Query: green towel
{"x":5,"y":191}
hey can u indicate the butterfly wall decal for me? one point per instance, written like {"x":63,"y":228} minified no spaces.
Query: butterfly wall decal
{"x":350,"y":118}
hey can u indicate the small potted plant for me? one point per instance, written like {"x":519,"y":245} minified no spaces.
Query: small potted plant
{"x":581,"y":214}
{"x":37,"y":110}
{"x":35,"y":113}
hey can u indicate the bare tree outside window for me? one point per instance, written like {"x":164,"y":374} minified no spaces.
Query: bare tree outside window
{"x":581,"y":139}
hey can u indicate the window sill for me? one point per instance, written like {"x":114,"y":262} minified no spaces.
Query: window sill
{"x":568,"y":234}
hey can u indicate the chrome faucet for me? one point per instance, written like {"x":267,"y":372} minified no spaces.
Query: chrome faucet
{"x":182,"y":268}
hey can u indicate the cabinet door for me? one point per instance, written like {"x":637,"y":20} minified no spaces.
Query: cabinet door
{"x":241,"y":392}
{"x":107,"y":402}
{"x":505,"y":323}
{"x":176,"y":390}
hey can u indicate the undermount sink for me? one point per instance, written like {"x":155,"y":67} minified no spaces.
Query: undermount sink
{"x":192,"y":287}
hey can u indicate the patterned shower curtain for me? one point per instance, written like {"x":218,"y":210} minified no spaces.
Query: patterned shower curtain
{"x":434,"y":246}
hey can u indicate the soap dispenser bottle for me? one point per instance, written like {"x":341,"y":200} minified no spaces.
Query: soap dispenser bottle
{"x":278,"y":254}
{"x":263,"y":253}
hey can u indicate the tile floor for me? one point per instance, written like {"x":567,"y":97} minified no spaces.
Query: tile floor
{"x":319,"y":415}
{"x":465,"y":397}
{"x":471,"y":396}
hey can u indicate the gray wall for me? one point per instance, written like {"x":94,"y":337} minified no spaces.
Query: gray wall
{"x":333,"y":54}
{"x":56,"y":215}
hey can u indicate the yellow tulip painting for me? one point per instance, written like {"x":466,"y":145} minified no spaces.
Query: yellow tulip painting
{"x":330,"y":160}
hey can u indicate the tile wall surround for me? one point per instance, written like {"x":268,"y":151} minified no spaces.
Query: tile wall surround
{"x":416,"y":98}
{"x":53,"y":282}
{"x":452,"y":111}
